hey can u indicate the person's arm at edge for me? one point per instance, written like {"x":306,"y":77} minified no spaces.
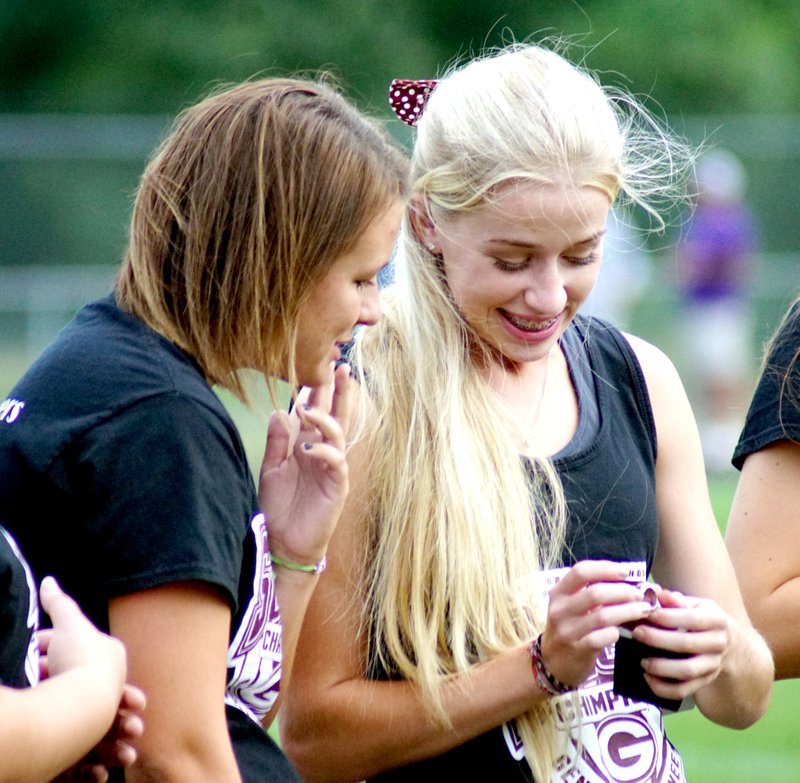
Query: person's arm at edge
{"x":46,"y":729}
{"x":49,"y":727}
{"x":81,"y":703}
{"x":763,"y":538}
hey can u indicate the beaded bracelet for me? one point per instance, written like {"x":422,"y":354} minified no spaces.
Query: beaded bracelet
{"x":544,"y":677}
{"x":315,"y":568}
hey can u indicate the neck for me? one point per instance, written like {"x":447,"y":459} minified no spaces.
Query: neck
{"x":541,"y":403}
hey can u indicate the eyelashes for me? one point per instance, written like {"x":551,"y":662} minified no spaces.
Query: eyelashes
{"x":508,"y":266}
{"x":520,"y":266}
{"x":584,"y":260}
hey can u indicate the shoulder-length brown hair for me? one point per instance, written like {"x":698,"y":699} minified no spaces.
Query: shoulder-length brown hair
{"x":242,"y":209}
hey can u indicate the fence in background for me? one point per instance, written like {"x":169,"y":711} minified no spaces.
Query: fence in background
{"x":66,"y":184}
{"x":35,"y":302}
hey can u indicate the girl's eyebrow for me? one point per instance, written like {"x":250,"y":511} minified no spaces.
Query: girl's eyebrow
{"x":520,"y":243}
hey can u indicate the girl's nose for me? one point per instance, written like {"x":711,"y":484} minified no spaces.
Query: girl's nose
{"x":546,"y":293}
{"x":370,"y":306}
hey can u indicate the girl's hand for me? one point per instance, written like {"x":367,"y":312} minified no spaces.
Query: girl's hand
{"x":73,"y":642}
{"x":696,"y":627}
{"x":116,"y":748}
{"x":586,"y":608}
{"x":304,"y":479}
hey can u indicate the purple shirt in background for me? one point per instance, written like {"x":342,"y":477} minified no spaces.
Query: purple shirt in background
{"x":715,"y":256}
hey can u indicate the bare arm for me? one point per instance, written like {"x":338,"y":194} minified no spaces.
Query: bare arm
{"x":48,"y":728}
{"x":763,"y":538}
{"x":177,"y":640}
{"x":729,"y":670}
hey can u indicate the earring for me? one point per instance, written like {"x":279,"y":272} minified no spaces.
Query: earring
{"x":431,"y":247}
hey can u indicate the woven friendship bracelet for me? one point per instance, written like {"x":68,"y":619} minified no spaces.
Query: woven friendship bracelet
{"x":408,"y":97}
{"x":316,"y":568}
{"x":544,"y":677}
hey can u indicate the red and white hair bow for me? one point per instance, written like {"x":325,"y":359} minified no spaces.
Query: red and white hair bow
{"x":408,"y":97}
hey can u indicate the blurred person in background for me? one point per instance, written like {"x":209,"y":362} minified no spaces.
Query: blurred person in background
{"x":716,"y":259}
{"x":257,"y":234}
{"x":626,"y":272}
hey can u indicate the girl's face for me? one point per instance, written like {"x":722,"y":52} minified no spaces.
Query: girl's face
{"x":521,"y":266}
{"x":345,"y":297}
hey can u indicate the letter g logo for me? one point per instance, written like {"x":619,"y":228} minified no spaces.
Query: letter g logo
{"x":629,"y":749}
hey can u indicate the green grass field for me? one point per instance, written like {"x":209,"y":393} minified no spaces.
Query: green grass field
{"x":712,"y":754}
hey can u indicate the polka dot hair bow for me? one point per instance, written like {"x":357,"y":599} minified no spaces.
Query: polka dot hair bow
{"x":408,"y":97}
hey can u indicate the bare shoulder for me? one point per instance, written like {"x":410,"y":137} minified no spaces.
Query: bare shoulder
{"x":651,"y":357}
{"x":659,"y":370}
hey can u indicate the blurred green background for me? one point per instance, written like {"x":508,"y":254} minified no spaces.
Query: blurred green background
{"x":87,"y":87}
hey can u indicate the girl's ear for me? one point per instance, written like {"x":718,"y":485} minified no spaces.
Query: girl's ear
{"x":422,"y":224}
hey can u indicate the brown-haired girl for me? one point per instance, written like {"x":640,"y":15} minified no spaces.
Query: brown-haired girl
{"x":258,"y":230}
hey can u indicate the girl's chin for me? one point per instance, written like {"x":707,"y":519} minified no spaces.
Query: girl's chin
{"x":315,"y":376}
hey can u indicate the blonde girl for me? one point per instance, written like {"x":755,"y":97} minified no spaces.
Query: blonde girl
{"x":523,"y":471}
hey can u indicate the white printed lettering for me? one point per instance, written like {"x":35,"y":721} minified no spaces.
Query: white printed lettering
{"x":10,"y":409}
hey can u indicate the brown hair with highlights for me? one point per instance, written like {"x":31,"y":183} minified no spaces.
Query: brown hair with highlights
{"x":242,"y":209}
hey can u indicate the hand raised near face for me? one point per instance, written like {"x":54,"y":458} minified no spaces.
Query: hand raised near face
{"x":304,"y":477}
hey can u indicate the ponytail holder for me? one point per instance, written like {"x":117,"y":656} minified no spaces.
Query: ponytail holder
{"x":408,"y":97}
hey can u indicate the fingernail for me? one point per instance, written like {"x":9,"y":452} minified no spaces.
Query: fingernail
{"x":48,"y":583}
{"x":308,"y":446}
{"x":650,"y":597}
{"x":306,"y":406}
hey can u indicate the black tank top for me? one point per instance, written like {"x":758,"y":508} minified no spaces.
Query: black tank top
{"x":607,"y":471}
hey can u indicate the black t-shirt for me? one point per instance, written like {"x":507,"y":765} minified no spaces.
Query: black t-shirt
{"x":18,"y":617}
{"x":122,"y":471}
{"x":774,"y":412}
{"x":608,"y":474}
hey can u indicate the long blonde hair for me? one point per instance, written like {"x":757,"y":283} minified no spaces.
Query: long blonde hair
{"x":459,"y":527}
